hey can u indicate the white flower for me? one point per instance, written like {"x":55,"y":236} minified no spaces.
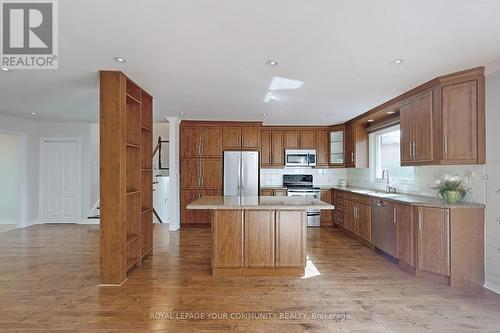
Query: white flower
{"x":446,"y":176}
{"x":454,"y":179}
{"x":437,"y":182}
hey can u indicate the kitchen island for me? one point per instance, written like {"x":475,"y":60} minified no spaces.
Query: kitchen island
{"x":254,"y":235}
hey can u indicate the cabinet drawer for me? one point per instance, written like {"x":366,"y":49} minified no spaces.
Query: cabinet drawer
{"x":359,"y":199}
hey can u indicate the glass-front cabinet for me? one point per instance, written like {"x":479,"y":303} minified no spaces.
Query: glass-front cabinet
{"x":337,"y":147}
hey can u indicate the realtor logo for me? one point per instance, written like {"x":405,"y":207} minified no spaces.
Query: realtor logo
{"x":29,"y":34}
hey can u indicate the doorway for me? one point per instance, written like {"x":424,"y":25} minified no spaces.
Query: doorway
{"x":60,"y":180}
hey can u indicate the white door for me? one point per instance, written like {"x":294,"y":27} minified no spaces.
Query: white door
{"x":60,"y":181}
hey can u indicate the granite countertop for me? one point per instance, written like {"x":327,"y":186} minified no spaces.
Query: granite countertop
{"x":258,"y":203}
{"x":409,"y":199}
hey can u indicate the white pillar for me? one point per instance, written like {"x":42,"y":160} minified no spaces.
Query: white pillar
{"x":173,"y":164}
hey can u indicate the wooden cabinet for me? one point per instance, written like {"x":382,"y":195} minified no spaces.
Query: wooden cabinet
{"x":272,"y":151}
{"x":300,"y":139}
{"x":417,"y":129}
{"x":358,"y":217}
{"x":336,"y":150}
{"x":433,"y":242}
{"x":356,"y":146}
{"x":322,"y":148}
{"x":445,"y":124}
{"x":227,"y":233}
{"x":291,"y":235}
{"x":201,"y":173}
{"x":241,"y":137}
{"x":198,"y":140}
{"x":405,"y":235}
{"x":339,"y":213}
{"x":211,"y":174}
{"x":460,"y":122}
{"x":273,"y":192}
{"x":259,"y":238}
{"x":326,"y":216}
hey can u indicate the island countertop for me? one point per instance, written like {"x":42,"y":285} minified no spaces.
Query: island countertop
{"x":258,"y":203}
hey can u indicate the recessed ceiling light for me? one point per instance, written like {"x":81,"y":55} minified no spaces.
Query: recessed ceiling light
{"x":120,"y":59}
{"x":5,"y":69}
{"x":391,"y":112}
{"x":397,"y":61}
{"x":330,"y":114}
{"x":182,"y":113}
{"x":264,"y":114}
{"x":272,"y":62}
{"x":371,"y":120}
{"x":33,"y":113}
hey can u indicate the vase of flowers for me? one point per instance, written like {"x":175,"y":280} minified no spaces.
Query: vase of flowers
{"x":450,"y":188}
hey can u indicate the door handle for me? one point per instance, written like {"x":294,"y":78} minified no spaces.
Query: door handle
{"x":419,"y":221}
{"x":445,"y":145}
{"x":411,"y":149}
{"x":352,"y":156}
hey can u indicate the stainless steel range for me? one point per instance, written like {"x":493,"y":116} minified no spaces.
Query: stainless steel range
{"x":302,"y":185}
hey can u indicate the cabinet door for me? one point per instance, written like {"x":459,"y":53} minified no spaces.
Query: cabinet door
{"x":322,"y":145}
{"x":227,"y":231}
{"x":292,"y":139}
{"x":350,"y":220}
{"x":266,"y":192}
{"x":211,"y":177}
{"x":250,"y":136}
{"x":434,"y":240}
{"x":290,"y":238}
{"x":211,"y":141}
{"x":231,"y":137}
{"x":265,"y":148}
{"x":405,"y":235}
{"x":280,"y":193}
{"x":307,"y":139}
{"x":326,"y":215}
{"x":186,"y":197}
{"x":259,"y":238}
{"x":364,"y":222}
{"x":406,"y":126}
{"x":277,"y":151}
{"x":460,"y":122}
{"x":190,"y":173}
{"x":349,"y":145}
{"x":423,"y":134}
{"x":189,"y":141}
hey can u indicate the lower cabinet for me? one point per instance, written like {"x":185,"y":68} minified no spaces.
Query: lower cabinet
{"x":291,"y":237}
{"x":259,"y":238}
{"x":227,"y":233}
{"x":359,"y":220}
{"x":326,"y":216}
{"x":434,"y":240}
{"x":405,"y":235}
{"x":269,"y":192}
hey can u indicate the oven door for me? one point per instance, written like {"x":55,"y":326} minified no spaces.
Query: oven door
{"x":296,"y":158}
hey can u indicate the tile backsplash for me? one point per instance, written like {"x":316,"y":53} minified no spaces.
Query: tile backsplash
{"x":425,"y":177}
{"x":321,"y":177}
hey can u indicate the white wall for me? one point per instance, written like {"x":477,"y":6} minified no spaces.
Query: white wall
{"x":33,"y":131}
{"x":10,"y":192}
{"x":493,"y":170}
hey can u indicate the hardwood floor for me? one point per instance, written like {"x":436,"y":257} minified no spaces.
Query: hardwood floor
{"x":49,"y":283}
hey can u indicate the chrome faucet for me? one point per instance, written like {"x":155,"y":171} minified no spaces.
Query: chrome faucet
{"x":388,"y":188}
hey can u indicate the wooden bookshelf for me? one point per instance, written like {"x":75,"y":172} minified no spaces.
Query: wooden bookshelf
{"x":126,"y":189}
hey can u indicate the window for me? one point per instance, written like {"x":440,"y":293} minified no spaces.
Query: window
{"x":386,"y":154}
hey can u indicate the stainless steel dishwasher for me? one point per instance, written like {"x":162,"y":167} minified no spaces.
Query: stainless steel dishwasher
{"x":384,"y":226}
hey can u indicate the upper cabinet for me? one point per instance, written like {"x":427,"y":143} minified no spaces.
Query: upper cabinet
{"x":417,"y":129}
{"x":239,"y":136}
{"x":322,"y":154}
{"x":337,"y":140}
{"x":300,"y":139}
{"x":199,"y":140}
{"x":356,"y":145}
{"x":272,"y":151}
{"x":445,"y":123}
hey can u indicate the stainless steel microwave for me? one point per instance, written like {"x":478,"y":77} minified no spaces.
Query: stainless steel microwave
{"x":300,"y":157}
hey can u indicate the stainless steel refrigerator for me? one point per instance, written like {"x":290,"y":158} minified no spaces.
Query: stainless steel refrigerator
{"x":241,"y":173}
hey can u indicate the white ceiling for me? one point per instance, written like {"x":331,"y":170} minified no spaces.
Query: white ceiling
{"x":207,"y":58}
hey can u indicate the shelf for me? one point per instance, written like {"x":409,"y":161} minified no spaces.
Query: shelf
{"x":146,"y":169}
{"x":133,"y":98}
{"x":133,"y":192}
{"x":147,"y":211}
{"x":132,"y":238}
{"x":131,"y":262}
{"x":146,"y":128}
{"x":133,"y":145}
